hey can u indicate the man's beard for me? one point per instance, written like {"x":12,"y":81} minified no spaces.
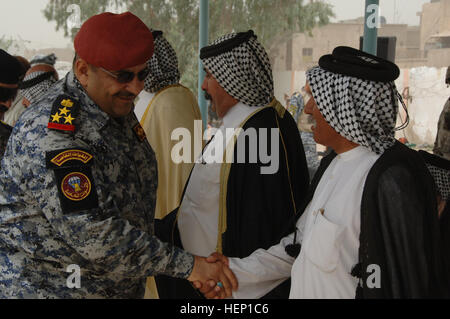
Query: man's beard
{"x":207,"y":96}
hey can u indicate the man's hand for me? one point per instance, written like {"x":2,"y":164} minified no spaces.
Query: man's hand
{"x":209,"y":289}
{"x":206,"y":275}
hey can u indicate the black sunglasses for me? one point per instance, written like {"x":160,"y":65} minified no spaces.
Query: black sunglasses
{"x":128,"y":76}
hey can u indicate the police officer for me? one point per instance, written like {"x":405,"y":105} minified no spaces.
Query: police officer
{"x":78,"y":186}
{"x":10,"y":71}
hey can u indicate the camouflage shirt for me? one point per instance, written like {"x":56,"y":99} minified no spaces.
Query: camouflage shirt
{"x":84,"y":198}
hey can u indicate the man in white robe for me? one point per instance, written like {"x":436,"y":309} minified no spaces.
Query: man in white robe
{"x":369,"y":229}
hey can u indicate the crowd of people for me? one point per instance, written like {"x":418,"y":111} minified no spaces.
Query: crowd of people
{"x":88,"y":178}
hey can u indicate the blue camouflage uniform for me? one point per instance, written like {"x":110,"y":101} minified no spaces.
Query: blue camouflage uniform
{"x":85,"y":197}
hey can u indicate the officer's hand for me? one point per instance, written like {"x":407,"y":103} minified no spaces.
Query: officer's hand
{"x":204,"y":272}
{"x":214,"y":257}
{"x":210,"y":290}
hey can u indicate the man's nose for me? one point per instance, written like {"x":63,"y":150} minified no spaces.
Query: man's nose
{"x":204,"y":86}
{"x":135,"y":86}
{"x":309,"y":107}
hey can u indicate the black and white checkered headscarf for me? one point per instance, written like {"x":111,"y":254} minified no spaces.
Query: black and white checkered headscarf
{"x":241,"y":66}
{"x":35,"y":84}
{"x":362,"y":111}
{"x":442,"y":179}
{"x":439,"y":168}
{"x":163,"y":65}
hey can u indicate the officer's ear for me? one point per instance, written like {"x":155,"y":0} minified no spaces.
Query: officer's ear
{"x":81,"y":69}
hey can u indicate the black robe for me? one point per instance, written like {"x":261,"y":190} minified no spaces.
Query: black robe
{"x":399,"y":227}
{"x":258,"y":206}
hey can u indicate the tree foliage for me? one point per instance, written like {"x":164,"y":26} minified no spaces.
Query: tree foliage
{"x":5,"y":43}
{"x":271,"y":20}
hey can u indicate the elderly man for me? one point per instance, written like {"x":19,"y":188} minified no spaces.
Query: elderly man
{"x":238,"y":198}
{"x":369,"y":228}
{"x":37,"y":81}
{"x":78,"y":182}
{"x":10,"y":72}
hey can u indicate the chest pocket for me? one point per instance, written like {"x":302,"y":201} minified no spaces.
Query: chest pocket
{"x":324,"y":243}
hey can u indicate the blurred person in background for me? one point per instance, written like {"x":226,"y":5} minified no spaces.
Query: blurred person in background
{"x":37,"y":81}
{"x":442,"y":142}
{"x":11,"y":72}
{"x":17,"y":108}
{"x":296,"y":106}
{"x":167,"y":106}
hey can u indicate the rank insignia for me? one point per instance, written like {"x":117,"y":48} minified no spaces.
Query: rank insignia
{"x":139,"y":131}
{"x":74,"y":179}
{"x":64,"y":112}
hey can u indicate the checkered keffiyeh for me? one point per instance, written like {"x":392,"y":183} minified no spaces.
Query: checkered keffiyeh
{"x":362,"y":111}
{"x":163,"y":65}
{"x":244,"y":70}
{"x":34,"y":92}
{"x":441,"y":177}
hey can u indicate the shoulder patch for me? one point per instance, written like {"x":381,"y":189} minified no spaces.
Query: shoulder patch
{"x":139,"y":131}
{"x":76,"y":188}
{"x":68,"y":157}
{"x":64,"y":112}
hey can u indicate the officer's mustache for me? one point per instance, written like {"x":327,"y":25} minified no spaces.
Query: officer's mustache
{"x":125,"y":94}
{"x":207,"y":96}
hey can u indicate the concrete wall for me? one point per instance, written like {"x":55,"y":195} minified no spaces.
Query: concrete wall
{"x":434,"y":19}
{"x":427,"y":90}
{"x":439,"y":57}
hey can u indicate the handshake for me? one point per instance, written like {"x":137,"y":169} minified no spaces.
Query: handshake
{"x":213,"y":277}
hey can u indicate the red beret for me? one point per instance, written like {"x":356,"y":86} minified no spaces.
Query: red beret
{"x":114,"y":41}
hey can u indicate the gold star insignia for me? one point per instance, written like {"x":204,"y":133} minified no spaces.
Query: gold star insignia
{"x":56,"y":117}
{"x":67,"y":103}
{"x":64,"y":111}
{"x":69,"y":119}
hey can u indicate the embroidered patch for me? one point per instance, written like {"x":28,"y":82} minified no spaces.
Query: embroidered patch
{"x":71,"y":155}
{"x":68,"y":157}
{"x":76,"y":186}
{"x":139,"y":131}
{"x":64,"y":112}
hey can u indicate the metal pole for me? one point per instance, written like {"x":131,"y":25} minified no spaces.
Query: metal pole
{"x":203,"y":41}
{"x":371,"y":22}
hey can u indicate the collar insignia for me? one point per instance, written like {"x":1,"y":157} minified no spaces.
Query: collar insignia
{"x":139,"y":131}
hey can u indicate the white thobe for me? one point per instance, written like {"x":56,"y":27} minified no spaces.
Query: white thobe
{"x":330,"y":240}
{"x":199,"y":211}
{"x":143,"y":99}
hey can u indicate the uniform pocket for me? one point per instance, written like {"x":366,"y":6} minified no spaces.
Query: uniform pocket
{"x":323,"y":246}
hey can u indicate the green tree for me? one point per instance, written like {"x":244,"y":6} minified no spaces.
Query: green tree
{"x":272,"y":21}
{"x":5,"y":43}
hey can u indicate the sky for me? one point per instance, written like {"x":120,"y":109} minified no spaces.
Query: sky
{"x":24,"y":18}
